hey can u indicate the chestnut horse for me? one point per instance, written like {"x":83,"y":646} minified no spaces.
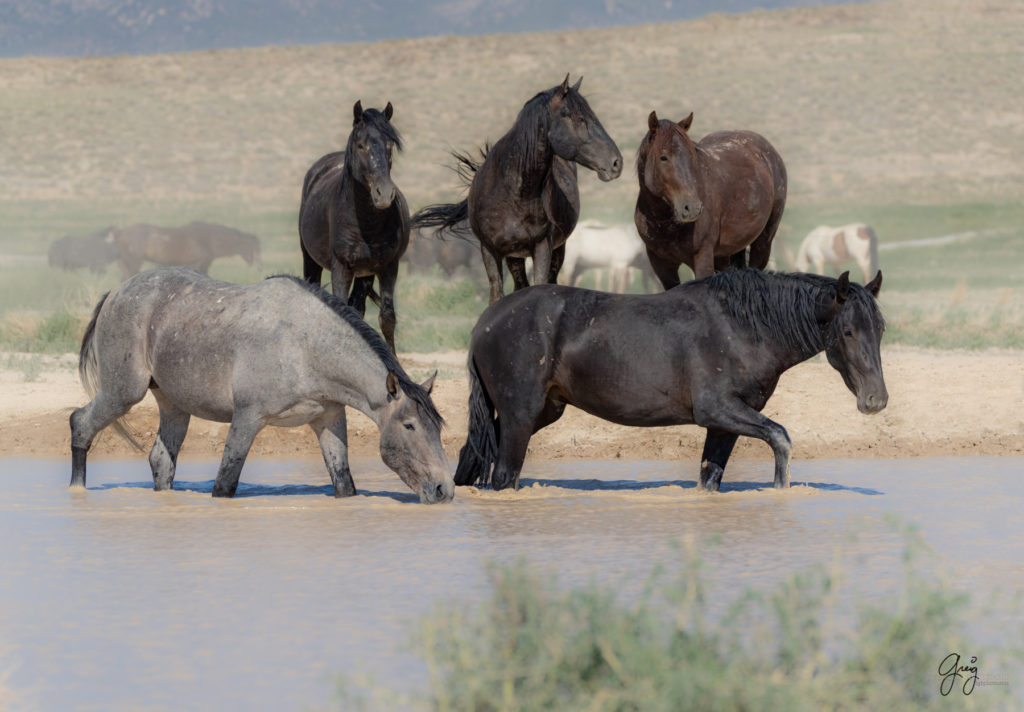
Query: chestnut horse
{"x":524,"y":200}
{"x":703,"y":203}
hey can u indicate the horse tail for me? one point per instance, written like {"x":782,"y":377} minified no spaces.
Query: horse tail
{"x":872,"y":251}
{"x":88,"y":371}
{"x":481,"y":448}
{"x":442,"y":216}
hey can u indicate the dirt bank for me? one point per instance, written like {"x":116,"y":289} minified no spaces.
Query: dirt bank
{"x":941,"y":403}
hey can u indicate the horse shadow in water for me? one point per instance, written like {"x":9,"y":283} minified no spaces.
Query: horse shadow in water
{"x":246,"y":489}
{"x":595,"y":485}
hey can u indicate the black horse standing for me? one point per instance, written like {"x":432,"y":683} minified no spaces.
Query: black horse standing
{"x":353,"y":220}
{"x":523,"y":198}
{"x":708,"y":352}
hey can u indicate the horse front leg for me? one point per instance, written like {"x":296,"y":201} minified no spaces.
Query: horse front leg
{"x":341,"y":280}
{"x":492,"y":265}
{"x":332,"y":433}
{"x":718,"y":445}
{"x":517,"y":268}
{"x":736,"y":417}
{"x":163,"y":458}
{"x":243,"y":430}
{"x":388,"y":318}
{"x":557,"y":259}
{"x":666,"y":272}
{"x":704,"y":261}
{"x":542,"y":261}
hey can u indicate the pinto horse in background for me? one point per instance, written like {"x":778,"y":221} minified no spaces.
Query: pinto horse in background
{"x":834,"y":246}
{"x":353,"y":220}
{"x":523,"y":196}
{"x":703,"y":203}
{"x":709,"y":352}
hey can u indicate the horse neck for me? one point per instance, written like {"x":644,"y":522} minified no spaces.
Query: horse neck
{"x":529,"y":153}
{"x":361,"y":378}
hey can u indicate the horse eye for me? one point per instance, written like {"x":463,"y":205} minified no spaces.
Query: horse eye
{"x":664,"y":157}
{"x":848,"y":333}
{"x":409,"y":426}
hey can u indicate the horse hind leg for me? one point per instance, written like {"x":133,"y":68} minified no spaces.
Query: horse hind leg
{"x":312,"y":272}
{"x":163,"y":458}
{"x":517,"y":268}
{"x":513,"y":440}
{"x":86,"y":422}
{"x":761,"y":247}
{"x":388,"y":317}
{"x":492,"y":265}
{"x":718,"y":445}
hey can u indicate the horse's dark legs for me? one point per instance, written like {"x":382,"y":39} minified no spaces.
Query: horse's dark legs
{"x":361,"y":287}
{"x":341,"y":280}
{"x":492,"y":265}
{"x":739,"y":260}
{"x":311,"y":270}
{"x":666,"y":272}
{"x":388,"y":318}
{"x":517,"y":268}
{"x":718,"y":445}
{"x":163,"y":458}
{"x":735,"y":416}
{"x":332,"y":432}
{"x":542,"y":261}
{"x":557,"y":259}
{"x":513,"y":439}
{"x":242,"y":432}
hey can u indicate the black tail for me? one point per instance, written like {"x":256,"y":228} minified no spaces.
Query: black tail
{"x":481,"y":448}
{"x":452,"y":217}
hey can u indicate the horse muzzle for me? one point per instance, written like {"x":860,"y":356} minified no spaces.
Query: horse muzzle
{"x":437,"y":491}
{"x":383,"y":195}
{"x":688,"y":211}
{"x":873,"y":402}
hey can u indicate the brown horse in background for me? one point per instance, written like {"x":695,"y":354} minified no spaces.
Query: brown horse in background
{"x":195,"y":245}
{"x":703,"y":203}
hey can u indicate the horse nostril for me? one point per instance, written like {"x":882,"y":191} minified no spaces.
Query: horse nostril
{"x":439,"y":492}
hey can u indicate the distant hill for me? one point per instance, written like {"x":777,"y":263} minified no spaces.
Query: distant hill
{"x":110,"y":27}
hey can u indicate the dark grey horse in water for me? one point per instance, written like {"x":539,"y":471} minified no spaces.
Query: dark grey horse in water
{"x":279,"y":352}
{"x":708,"y":352}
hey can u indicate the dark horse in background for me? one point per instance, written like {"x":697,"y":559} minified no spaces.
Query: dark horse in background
{"x":195,"y":245}
{"x":708,"y":352}
{"x":94,"y":251}
{"x":703,"y":203}
{"x":523,"y":198}
{"x":353,"y":220}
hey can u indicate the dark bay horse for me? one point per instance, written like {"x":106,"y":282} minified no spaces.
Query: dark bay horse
{"x":195,"y":245}
{"x":523,"y":197}
{"x":280,"y":352}
{"x":703,"y":203}
{"x":709,"y":352}
{"x":353,"y":220}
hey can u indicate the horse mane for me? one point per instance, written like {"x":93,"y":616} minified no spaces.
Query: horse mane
{"x":784,"y":304}
{"x":379,"y":122}
{"x":523,"y":138}
{"x":412,"y":389}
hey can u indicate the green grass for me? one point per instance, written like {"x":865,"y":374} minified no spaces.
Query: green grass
{"x":812,"y":642}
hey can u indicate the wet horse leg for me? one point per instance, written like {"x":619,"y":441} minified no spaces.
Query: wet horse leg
{"x":513,"y":439}
{"x":718,"y":445}
{"x":492,"y":265}
{"x":163,"y":458}
{"x":332,"y":433}
{"x":388,"y":319}
{"x":735,"y":416}
{"x":243,"y":430}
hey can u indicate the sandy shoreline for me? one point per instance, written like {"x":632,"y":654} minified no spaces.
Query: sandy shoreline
{"x":941,"y":403}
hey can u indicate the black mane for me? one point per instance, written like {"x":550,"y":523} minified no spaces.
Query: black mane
{"x":376,"y":343}
{"x":524,"y":135}
{"x":379,"y":122}
{"x":779,"y":304}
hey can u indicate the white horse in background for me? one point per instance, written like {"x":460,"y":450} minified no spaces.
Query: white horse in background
{"x":595,"y":245}
{"x":834,"y":246}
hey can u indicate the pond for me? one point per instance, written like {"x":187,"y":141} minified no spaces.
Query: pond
{"x":121,"y":598}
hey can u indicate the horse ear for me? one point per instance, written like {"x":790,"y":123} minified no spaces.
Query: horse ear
{"x":392,"y":385}
{"x":428,"y":385}
{"x":389,"y":111}
{"x":357,"y":112}
{"x":685,"y":123}
{"x":576,"y":86}
{"x":652,"y":121}
{"x":875,"y":285}
{"x":564,"y":89}
{"x":843,"y":287}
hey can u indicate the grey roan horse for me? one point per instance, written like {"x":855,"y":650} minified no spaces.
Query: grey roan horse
{"x":279,"y":352}
{"x":353,"y":220}
{"x":708,"y":352}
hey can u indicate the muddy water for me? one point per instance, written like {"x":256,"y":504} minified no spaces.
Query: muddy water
{"x":120,"y":598}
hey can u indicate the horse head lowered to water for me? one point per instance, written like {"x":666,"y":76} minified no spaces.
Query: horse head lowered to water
{"x":523,"y":197}
{"x":702,"y":203}
{"x":709,"y":352}
{"x":278,"y":352}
